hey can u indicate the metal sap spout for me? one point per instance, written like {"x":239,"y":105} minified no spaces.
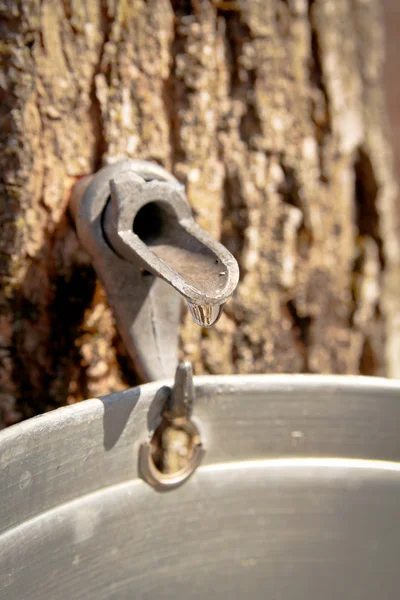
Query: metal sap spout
{"x":134,"y":220}
{"x":151,"y":221}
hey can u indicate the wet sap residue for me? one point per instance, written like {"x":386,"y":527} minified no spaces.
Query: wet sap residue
{"x":205,"y":316}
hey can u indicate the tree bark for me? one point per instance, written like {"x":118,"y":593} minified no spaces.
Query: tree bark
{"x":271,"y":112}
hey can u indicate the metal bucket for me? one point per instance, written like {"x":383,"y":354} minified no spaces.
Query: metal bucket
{"x":298,"y":496}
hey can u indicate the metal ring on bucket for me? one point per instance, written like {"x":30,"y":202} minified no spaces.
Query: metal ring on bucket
{"x":169,"y":481}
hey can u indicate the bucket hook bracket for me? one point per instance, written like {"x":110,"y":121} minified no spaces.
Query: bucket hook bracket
{"x":175,"y":449}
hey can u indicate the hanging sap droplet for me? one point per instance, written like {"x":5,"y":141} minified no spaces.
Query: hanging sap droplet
{"x":205,"y":316}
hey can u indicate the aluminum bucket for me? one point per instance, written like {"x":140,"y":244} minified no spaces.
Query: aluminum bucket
{"x":297,"y":497}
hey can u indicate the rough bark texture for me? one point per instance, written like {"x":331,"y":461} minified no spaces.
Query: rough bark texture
{"x":270,"y":111}
{"x":391,"y":9}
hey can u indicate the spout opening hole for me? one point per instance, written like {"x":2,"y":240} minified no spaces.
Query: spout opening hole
{"x":150,"y":222}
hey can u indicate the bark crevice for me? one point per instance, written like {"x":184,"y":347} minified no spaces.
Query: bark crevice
{"x":368,"y":362}
{"x":175,"y":92}
{"x":320,"y":106}
{"x":234,"y":220}
{"x":95,"y":110}
{"x":366,"y":194}
{"x":301,"y":332}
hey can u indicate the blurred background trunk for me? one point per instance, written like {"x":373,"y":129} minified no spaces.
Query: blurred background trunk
{"x":271,"y":112}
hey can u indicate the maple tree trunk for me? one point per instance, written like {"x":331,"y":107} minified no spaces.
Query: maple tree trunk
{"x":271,"y":112}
